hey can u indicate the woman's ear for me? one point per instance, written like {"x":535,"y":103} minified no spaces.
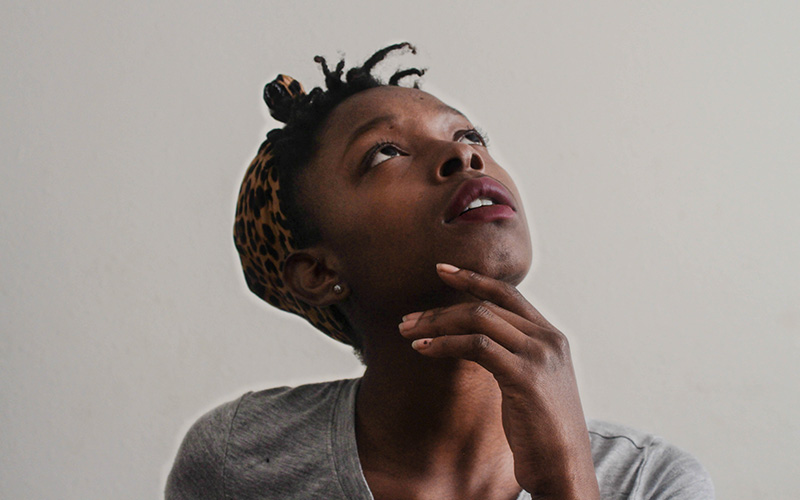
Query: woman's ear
{"x":311,"y":280}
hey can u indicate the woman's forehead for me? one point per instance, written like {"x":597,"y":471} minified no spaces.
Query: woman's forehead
{"x":384,"y":104}
{"x":388,"y":97}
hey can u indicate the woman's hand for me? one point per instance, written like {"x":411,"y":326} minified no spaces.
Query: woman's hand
{"x":530,"y":359}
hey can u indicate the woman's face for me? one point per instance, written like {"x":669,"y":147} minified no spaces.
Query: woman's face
{"x":394,"y":170}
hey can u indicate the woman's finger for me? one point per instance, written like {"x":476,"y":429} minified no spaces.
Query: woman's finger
{"x":484,"y":318}
{"x":514,"y":319}
{"x":493,"y":290}
{"x":475,"y":347}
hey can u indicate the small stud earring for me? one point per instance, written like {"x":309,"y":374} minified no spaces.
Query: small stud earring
{"x":337,"y":289}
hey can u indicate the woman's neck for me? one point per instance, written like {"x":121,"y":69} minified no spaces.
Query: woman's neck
{"x":432,"y":419}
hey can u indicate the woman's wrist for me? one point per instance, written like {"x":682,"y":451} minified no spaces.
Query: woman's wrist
{"x":566,"y":481}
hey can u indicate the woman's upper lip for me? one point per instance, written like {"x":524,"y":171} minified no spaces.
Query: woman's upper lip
{"x":474,"y":188}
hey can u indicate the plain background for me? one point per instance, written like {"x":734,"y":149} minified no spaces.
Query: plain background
{"x":656,"y":145}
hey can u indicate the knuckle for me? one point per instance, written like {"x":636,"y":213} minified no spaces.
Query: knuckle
{"x":479,"y":344}
{"x":550,"y":350}
{"x":476,"y":282}
{"x":481,"y":311}
{"x":558,"y":343}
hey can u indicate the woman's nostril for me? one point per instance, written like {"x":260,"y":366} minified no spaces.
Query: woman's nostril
{"x":450,"y":167}
{"x":476,"y":162}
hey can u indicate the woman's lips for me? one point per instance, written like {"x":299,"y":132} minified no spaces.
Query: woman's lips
{"x":480,"y":187}
{"x":486,"y":214}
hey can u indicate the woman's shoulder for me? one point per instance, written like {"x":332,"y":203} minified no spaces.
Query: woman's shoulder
{"x":261,"y":423}
{"x":636,"y":464}
{"x":298,"y":401}
{"x":198,"y":467}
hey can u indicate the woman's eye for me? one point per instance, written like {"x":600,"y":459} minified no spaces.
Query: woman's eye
{"x":472,"y":137}
{"x":383,"y":153}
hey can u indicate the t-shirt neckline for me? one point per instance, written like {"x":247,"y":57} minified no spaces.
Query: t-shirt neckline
{"x":346,"y":463}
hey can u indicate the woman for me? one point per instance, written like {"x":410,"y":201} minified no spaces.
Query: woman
{"x":378,"y":214}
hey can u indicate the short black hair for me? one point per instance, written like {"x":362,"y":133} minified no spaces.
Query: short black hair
{"x":296,"y":143}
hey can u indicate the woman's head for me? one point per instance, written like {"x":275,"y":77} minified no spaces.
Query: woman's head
{"x":305,"y":114}
{"x":374,"y":199}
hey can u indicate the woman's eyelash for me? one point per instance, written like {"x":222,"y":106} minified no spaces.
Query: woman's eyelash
{"x":373,"y":151}
{"x":482,"y":133}
{"x":369,"y":157}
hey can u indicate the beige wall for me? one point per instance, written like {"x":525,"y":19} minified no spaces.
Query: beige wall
{"x":656,"y":145}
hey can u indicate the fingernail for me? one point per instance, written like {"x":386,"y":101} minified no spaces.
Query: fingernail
{"x":406,"y":325}
{"x":412,"y":316}
{"x":447,"y":268}
{"x":420,"y":344}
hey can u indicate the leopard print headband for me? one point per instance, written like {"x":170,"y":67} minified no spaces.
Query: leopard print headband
{"x":261,"y":232}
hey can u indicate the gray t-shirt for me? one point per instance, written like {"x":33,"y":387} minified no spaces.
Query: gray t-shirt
{"x":300,"y":443}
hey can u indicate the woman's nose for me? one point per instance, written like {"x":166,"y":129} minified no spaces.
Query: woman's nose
{"x":459,"y":157}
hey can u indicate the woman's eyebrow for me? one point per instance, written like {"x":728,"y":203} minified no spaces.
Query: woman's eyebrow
{"x":364,"y":128}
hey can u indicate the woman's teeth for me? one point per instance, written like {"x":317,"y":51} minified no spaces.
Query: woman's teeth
{"x":477,"y":203}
